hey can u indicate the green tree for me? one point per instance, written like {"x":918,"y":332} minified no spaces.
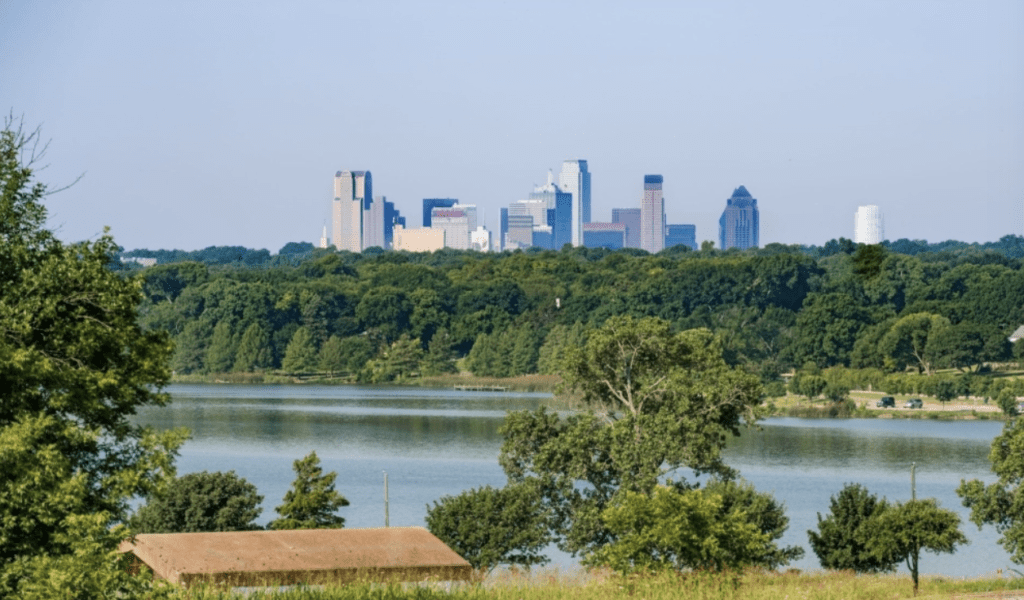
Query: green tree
{"x":907,"y":341}
{"x":718,"y":527}
{"x":301,"y":355}
{"x":841,"y":541}
{"x":1006,"y":400}
{"x":945,"y":390}
{"x":312,"y":501}
{"x":490,"y":527}
{"x":658,"y":402}
{"x":201,"y":502}
{"x":332,"y":356}
{"x":74,"y":368}
{"x":1002,"y":503}
{"x":439,"y":358}
{"x":903,"y":530}
{"x":398,"y":361}
{"x":254,"y":349}
{"x":220,"y":356}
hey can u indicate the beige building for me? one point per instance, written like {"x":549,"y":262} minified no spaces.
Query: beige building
{"x":353,"y":193}
{"x":424,"y":239}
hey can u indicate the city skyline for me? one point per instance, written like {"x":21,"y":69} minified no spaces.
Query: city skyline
{"x":199,"y":124}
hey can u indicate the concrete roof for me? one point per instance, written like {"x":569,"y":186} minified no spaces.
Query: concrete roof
{"x":247,"y":558}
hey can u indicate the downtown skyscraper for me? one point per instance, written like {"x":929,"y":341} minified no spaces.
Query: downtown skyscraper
{"x":652,"y":215}
{"x":574,"y":178}
{"x":739,"y":225}
{"x":353,"y":193}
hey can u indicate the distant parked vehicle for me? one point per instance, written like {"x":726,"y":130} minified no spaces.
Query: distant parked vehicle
{"x":914,"y":403}
{"x":886,"y":402}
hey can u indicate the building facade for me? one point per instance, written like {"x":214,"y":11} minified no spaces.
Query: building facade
{"x":685,"y":235}
{"x":454,"y":222}
{"x":574,"y":179}
{"x":652,"y":215}
{"x":604,"y":235}
{"x":630,"y":217}
{"x":430,"y":204}
{"x":353,"y":193}
{"x":868,"y":227}
{"x":739,"y":226}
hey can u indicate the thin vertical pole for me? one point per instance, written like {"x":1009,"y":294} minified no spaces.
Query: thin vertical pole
{"x":386,"y":524}
{"x":913,"y":481}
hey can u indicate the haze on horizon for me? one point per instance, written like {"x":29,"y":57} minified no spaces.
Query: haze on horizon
{"x":223,"y":123}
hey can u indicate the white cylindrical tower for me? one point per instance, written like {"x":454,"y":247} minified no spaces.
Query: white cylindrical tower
{"x":867,"y":225}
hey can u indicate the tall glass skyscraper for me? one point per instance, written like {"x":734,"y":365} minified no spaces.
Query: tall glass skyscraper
{"x":738,"y":227}
{"x":575,"y":179}
{"x":652,"y":215}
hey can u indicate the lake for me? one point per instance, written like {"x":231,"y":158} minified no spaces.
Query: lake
{"x":438,"y":442}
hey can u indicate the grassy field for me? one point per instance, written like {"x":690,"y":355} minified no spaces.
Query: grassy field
{"x":552,"y":585}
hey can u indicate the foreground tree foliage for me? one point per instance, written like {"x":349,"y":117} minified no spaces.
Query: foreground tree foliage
{"x":490,"y":527}
{"x":657,"y":402}
{"x":842,"y":539}
{"x":201,"y":502}
{"x":312,"y":502}
{"x":74,"y":367}
{"x":903,"y":530}
{"x":1002,"y":503}
{"x":723,"y":526}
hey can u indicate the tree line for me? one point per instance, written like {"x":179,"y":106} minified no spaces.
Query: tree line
{"x":388,"y":316}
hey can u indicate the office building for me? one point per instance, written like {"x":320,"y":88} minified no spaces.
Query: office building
{"x":559,"y":211}
{"x":353,"y":193}
{"x":738,"y":227}
{"x":519,"y":232}
{"x":868,"y":227}
{"x":418,"y":240}
{"x":630,"y":217}
{"x":502,"y":228}
{"x":574,"y":179}
{"x":454,"y":222}
{"x":480,"y":239}
{"x":652,"y":215}
{"x":685,"y":235}
{"x":392,"y":218}
{"x":604,"y":235}
{"x":430,"y":204}
{"x":373,"y":224}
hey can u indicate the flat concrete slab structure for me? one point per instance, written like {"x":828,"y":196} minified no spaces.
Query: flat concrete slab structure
{"x":313,"y":556}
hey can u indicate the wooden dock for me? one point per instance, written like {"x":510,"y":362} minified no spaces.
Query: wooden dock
{"x":481,"y":388}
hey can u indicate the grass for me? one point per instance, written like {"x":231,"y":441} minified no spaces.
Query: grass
{"x":554,"y":585}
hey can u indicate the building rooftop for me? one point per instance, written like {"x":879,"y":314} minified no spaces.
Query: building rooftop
{"x":314,"y":556}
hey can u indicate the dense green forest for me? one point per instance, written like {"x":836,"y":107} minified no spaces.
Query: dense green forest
{"x":386,"y":316}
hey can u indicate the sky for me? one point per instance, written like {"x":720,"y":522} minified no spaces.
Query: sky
{"x":211,"y":123}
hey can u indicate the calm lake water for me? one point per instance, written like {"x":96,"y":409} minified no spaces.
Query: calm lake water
{"x":438,"y":442}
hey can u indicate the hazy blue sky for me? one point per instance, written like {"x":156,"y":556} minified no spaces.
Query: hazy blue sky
{"x":222,"y":123}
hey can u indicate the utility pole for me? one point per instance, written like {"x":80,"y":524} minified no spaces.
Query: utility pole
{"x":386,"y":499}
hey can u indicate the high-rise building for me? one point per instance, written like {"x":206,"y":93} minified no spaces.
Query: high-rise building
{"x":868,"y":226}
{"x":502,"y":228}
{"x":430,"y":204}
{"x":604,"y":235}
{"x":519,"y":232}
{"x":574,"y":178}
{"x":630,"y":217}
{"x":373,"y":224}
{"x":652,"y":215}
{"x":685,"y":235}
{"x":353,"y":193}
{"x":454,"y":222}
{"x":392,"y":219}
{"x":480,"y":239}
{"x":559,"y":211}
{"x":738,"y":227}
